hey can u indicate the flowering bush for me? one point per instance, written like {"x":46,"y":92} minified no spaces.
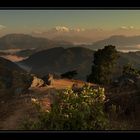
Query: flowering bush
{"x":81,"y":110}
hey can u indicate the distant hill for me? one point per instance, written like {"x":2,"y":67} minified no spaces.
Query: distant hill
{"x":6,"y":64}
{"x":60,"y":60}
{"x":29,"y":45}
{"x":73,"y":39}
{"x":24,"y":41}
{"x":130,"y":57}
{"x":120,"y":41}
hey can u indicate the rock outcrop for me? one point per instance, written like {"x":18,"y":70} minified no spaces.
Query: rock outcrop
{"x":37,"y":82}
{"x":48,"y":79}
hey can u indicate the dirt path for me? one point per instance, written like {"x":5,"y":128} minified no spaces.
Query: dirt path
{"x":12,"y":121}
{"x":15,"y":109}
{"x":13,"y":112}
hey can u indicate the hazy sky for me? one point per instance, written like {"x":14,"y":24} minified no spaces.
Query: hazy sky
{"x":30,"y":20}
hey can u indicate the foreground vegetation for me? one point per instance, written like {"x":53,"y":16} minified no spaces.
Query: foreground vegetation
{"x":73,"y":110}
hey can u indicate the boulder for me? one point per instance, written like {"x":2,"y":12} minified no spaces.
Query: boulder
{"x":37,"y":82}
{"x":48,"y":79}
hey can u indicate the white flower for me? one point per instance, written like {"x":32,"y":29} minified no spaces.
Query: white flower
{"x":34,"y":100}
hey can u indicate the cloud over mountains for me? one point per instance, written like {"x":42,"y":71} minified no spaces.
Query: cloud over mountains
{"x":2,"y":27}
{"x":127,"y":27}
{"x":80,"y":35}
{"x":62,"y":29}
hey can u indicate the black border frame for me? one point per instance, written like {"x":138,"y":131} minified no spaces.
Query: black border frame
{"x":52,"y":134}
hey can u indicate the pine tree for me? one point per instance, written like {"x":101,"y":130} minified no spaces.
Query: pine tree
{"x":103,"y":64}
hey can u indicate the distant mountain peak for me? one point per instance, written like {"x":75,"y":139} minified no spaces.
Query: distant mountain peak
{"x":62,"y":29}
{"x":67,"y":29}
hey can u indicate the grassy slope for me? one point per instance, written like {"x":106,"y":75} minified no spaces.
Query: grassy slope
{"x":14,"y":109}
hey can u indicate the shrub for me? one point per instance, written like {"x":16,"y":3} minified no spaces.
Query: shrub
{"x":81,"y":110}
{"x":69,"y":74}
{"x":128,"y":70}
